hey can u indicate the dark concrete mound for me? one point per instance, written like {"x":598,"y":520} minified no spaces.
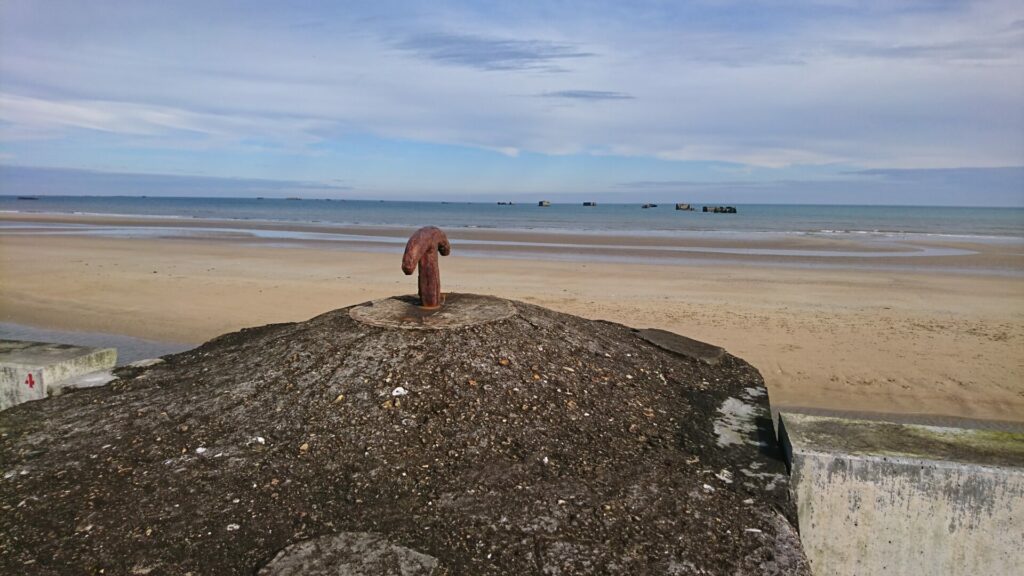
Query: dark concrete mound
{"x":532,"y":443}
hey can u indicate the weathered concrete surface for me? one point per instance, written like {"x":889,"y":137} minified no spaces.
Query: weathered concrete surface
{"x":882,"y":498}
{"x":32,"y":370}
{"x":541,"y":443}
{"x":706,"y":353}
{"x":350,"y":554}
{"x":90,"y":380}
{"x":20,"y":384}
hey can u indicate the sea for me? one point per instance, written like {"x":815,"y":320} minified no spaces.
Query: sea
{"x":625,"y":219}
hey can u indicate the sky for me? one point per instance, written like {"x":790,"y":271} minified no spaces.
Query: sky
{"x":818,"y":101}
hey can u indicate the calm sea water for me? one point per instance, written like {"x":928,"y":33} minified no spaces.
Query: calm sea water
{"x":128,"y":349}
{"x":623,"y":218}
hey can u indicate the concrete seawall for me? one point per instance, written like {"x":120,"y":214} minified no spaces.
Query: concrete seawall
{"x":882,"y":498}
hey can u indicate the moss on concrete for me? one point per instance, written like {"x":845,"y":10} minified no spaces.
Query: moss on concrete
{"x":983,"y":447}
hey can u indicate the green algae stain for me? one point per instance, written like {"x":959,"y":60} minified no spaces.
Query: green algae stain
{"x":868,"y":438}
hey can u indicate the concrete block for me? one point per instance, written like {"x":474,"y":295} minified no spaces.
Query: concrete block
{"x":884,"y":498}
{"x":33,"y":370}
{"x":20,"y":384}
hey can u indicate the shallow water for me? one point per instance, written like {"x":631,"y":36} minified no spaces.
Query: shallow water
{"x":892,"y":249}
{"x":128,"y":349}
{"x":630,"y":218}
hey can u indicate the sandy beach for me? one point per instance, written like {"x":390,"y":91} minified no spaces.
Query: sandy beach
{"x":937,"y":334}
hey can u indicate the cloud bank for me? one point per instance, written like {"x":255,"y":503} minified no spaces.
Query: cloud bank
{"x":261,"y":90}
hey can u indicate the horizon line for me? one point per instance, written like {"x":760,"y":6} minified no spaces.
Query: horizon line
{"x":31,"y":197}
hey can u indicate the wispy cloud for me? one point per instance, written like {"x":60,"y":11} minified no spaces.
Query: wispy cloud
{"x":488,"y":53}
{"x":988,"y":50}
{"x":979,"y":175}
{"x":674,"y":184}
{"x":63,"y":181}
{"x":586,"y":95}
{"x":132,"y":119}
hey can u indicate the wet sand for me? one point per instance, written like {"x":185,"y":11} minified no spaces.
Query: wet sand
{"x":935,"y":336}
{"x":1003,"y":256}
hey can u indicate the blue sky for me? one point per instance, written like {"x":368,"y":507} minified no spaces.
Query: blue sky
{"x":827,"y":101}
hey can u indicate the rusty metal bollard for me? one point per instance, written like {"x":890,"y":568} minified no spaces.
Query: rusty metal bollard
{"x":423,"y":247}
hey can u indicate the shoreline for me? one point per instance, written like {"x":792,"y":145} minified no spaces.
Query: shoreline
{"x":1001,"y":256}
{"x":892,"y":341}
{"x":141,"y":220}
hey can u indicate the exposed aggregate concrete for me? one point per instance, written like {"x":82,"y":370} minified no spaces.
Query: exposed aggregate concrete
{"x":542,"y":443}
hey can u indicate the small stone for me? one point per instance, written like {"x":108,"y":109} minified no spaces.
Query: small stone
{"x":503,"y":361}
{"x":399,"y":391}
{"x":472,"y":382}
{"x":233,"y":527}
{"x":339,"y":398}
{"x":304,"y":447}
{"x":200,"y":450}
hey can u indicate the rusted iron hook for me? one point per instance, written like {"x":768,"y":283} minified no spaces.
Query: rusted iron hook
{"x":423,"y":247}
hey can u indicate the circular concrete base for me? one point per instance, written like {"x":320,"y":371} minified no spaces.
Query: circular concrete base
{"x":458,"y":311}
{"x":349,"y":554}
